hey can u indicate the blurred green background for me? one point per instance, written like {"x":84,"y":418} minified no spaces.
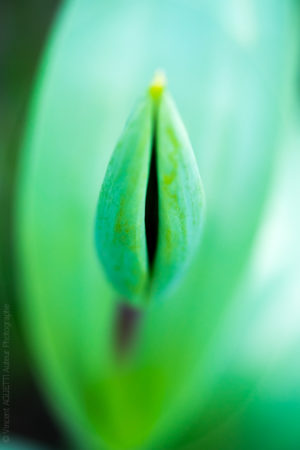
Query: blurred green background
{"x":24,"y":27}
{"x":226,"y":373}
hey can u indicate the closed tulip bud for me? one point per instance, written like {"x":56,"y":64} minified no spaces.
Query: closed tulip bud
{"x":151,"y":205}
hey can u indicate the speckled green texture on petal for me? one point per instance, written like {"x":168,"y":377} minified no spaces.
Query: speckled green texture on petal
{"x":120,"y":225}
{"x":181,"y":197}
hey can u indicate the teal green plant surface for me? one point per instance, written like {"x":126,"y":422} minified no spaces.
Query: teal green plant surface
{"x":19,"y":445}
{"x":205,"y":369}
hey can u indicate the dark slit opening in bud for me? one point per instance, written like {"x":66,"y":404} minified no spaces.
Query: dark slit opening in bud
{"x":151,"y":207}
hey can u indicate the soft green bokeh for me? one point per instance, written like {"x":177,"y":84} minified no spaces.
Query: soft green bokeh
{"x":19,"y":445}
{"x":207,"y":348}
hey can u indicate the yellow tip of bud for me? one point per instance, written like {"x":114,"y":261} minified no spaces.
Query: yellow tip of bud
{"x":158,"y":84}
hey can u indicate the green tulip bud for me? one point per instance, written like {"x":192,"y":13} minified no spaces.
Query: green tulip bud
{"x":151,"y":204}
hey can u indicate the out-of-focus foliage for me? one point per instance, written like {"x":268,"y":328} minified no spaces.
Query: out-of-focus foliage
{"x":16,"y":445}
{"x":217,"y":360}
{"x":23,"y":29}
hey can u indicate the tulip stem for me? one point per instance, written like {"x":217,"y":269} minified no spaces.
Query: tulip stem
{"x":128,"y":320}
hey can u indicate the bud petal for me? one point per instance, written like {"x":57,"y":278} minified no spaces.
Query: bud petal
{"x":120,"y":221}
{"x":181,"y":196}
